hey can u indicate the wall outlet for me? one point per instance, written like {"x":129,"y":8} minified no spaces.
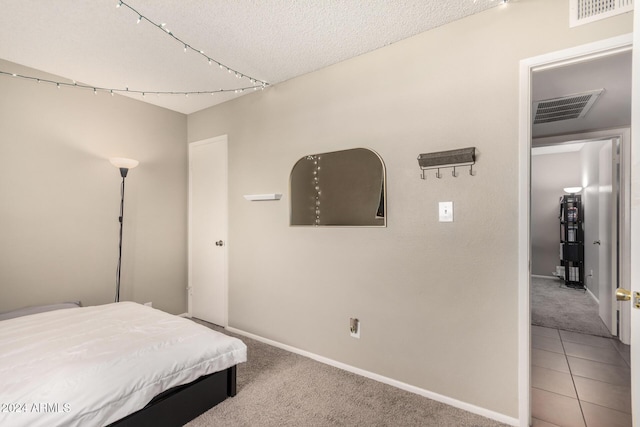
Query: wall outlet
{"x":148,"y":304}
{"x":354,"y":327}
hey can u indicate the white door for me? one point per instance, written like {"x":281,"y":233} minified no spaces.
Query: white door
{"x":635,"y":220}
{"x":208,"y":230}
{"x":607,"y":223}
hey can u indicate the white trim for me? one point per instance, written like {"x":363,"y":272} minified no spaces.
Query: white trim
{"x":578,"y":54}
{"x":634,"y":278}
{"x":527,"y":66}
{"x":579,"y":139}
{"x":187,"y":315}
{"x":556,"y":148}
{"x":593,"y":296}
{"x":539,"y":276}
{"x":524,"y":247}
{"x":220,"y":138}
{"x":385,"y":380}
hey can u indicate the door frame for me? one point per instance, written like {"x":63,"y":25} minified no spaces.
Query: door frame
{"x":634,"y":199}
{"x":608,"y":255}
{"x":527,"y":67}
{"x":215,"y":140}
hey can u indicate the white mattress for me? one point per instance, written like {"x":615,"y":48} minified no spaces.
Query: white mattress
{"x":92,"y":366}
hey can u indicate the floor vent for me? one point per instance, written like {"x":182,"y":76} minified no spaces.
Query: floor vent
{"x":565,"y":108}
{"x":585,"y":11}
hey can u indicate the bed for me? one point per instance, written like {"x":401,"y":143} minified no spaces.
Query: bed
{"x":117,"y":364}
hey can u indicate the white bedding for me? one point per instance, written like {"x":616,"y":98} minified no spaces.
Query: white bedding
{"x":92,"y":366}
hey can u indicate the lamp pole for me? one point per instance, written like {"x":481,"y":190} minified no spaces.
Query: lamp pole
{"x":123,"y":173}
{"x":124,"y":165}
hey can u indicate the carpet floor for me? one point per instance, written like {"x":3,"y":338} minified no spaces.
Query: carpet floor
{"x":279,"y":388}
{"x":556,"y":306}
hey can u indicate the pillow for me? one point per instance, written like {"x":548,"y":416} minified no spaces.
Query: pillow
{"x":25,"y":311}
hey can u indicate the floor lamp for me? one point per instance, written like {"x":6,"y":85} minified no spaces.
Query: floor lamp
{"x":124,"y":165}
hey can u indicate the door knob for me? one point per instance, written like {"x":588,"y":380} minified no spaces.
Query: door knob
{"x":219,"y":243}
{"x":623,"y":294}
{"x":596,"y":242}
{"x":626,"y":295}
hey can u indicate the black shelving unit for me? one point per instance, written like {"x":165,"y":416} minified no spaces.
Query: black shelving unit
{"x":572,"y":240}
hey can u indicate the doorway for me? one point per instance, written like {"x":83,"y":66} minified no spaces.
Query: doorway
{"x":565,"y":344}
{"x":576,"y":362}
{"x":588,"y":166}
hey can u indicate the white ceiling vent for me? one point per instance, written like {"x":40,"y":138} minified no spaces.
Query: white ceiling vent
{"x":565,"y":108}
{"x":585,"y":11}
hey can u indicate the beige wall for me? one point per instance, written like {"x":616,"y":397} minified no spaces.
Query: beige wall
{"x":61,"y":197}
{"x":437,"y":301}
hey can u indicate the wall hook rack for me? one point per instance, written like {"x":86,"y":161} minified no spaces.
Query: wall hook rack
{"x":447,"y":159}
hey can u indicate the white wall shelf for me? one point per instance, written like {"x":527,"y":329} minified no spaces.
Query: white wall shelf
{"x":261,"y":197}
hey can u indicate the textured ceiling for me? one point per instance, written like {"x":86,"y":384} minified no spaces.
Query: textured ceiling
{"x":96,"y":43}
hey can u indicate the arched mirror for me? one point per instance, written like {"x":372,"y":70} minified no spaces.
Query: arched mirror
{"x":340,"y":188}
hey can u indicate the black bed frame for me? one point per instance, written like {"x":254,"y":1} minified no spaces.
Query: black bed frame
{"x":181,"y":404}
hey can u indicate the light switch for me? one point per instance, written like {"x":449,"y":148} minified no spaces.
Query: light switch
{"x":445,"y":210}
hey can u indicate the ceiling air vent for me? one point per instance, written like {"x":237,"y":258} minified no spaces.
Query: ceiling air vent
{"x":565,"y":108}
{"x":585,"y":11}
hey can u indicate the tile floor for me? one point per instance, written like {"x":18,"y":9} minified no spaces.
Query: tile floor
{"x":579,"y":380}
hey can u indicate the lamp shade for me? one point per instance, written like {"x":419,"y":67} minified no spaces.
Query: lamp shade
{"x":123,"y":163}
{"x":572,"y":190}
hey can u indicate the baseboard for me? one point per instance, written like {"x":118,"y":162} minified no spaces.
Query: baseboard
{"x":539,"y":276}
{"x":183,"y":315}
{"x":554,"y":277}
{"x":385,"y":380}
